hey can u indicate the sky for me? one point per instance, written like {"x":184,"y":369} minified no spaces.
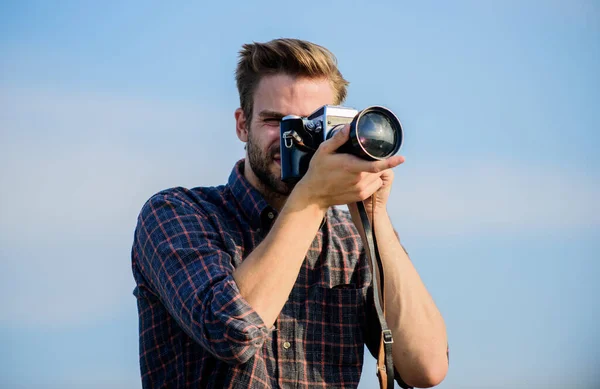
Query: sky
{"x":103,"y":104}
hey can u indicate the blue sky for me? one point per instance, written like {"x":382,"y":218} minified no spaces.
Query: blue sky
{"x":104,"y":103}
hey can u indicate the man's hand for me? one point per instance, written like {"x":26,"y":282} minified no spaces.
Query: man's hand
{"x":339,"y":178}
{"x":377,"y":203}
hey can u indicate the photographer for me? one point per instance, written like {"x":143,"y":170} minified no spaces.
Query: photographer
{"x":261,"y":283}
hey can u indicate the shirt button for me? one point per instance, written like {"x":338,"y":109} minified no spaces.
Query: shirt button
{"x":287,"y":345}
{"x":271,"y":215}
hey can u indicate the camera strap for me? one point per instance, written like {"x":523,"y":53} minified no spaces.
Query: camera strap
{"x":385,"y":364}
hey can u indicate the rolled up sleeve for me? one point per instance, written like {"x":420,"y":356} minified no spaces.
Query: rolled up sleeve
{"x":181,"y":256}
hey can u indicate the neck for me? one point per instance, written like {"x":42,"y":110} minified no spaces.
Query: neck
{"x":275,"y":200}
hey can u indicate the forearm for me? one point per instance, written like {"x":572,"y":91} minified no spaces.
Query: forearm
{"x":266,"y":277}
{"x":420,"y":341}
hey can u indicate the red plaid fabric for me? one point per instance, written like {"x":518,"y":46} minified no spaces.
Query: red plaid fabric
{"x":197,"y":331}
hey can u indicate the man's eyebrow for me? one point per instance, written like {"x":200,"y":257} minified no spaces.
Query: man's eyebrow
{"x":270,"y":114}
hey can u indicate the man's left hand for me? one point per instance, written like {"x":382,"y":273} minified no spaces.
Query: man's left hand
{"x":377,"y":203}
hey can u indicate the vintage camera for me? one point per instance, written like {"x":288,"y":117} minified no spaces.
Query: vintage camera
{"x":375,"y":134}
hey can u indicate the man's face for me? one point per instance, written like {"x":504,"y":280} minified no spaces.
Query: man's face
{"x":275,"y":97}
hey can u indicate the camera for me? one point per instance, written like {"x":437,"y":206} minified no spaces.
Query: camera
{"x":375,"y":134}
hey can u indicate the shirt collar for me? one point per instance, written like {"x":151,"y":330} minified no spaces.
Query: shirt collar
{"x":250,"y":200}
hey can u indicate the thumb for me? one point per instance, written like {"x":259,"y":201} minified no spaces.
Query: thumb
{"x":338,"y":139}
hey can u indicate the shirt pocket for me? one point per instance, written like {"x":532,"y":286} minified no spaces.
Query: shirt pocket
{"x":335,"y":333}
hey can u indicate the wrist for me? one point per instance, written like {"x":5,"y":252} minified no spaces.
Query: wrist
{"x":305,"y":197}
{"x":379,"y":213}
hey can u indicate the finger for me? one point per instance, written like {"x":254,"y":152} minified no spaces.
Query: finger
{"x":331,"y":145}
{"x":377,"y":166}
{"x":370,"y":178}
{"x":371,"y":188}
{"x":387,"y":175}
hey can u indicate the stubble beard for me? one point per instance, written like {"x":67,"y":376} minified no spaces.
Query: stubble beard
{"x":260,"y":162}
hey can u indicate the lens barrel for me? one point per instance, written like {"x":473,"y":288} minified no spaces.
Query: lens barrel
{"x":375,"y":134}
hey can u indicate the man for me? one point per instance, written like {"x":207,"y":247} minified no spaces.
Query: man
{"x":261,"y":284}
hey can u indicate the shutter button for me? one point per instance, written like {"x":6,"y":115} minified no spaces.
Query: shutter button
{"x":287,"y":345}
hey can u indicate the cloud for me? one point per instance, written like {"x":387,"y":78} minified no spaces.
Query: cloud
{"x":494,"y":196}
{"x":75,"y":170}
{"x":69,"y":160}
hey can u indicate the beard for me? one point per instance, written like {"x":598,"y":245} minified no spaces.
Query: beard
{"x":260,"y":163}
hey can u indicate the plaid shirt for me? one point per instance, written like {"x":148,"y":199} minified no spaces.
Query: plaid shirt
{"x":197,"y":331}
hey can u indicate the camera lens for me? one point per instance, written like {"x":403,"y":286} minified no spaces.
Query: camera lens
{"x":376,"y":133}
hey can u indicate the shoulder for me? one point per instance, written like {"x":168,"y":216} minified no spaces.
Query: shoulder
{"x":199,"y":200}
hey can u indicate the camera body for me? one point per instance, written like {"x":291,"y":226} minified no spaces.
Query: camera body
{"x":300,"y":137}
{"x":375,"y":134}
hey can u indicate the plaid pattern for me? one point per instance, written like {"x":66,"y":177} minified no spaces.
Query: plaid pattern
{"x":197,"y":331}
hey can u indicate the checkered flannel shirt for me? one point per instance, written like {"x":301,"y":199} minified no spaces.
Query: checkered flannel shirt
{"x":195,"y":328}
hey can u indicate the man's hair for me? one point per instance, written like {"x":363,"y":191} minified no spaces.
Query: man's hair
{"x":293,"y":57}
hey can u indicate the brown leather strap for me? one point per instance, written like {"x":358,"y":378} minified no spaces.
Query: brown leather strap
{"x":385,"y":364}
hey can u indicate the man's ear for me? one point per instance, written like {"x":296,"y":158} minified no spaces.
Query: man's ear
{"x":241,"y":125}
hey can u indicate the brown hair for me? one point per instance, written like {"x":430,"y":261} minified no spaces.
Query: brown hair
{"x":285,"y":56}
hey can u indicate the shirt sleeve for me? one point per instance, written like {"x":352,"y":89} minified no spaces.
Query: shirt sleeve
{"x":181,"y":255}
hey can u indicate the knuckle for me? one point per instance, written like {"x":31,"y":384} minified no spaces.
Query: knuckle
{"x":374,"y":168}
{"x":360,"y":184}
{"x":364,"y":194}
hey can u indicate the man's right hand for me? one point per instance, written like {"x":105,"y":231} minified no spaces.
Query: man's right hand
{"x":338,"y":178}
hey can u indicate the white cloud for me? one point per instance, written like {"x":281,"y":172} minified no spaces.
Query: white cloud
{"x":75,"y":171}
